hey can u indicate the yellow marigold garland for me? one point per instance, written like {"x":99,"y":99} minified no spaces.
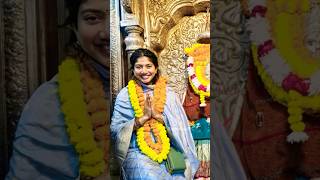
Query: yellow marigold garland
{"x":292,"y":6}
{"x":159,"y":150}
{"x":77,"y":120}
{"x":157,"y":155}
{"x":134,"y":99}
{"x":97,"y":108}
{"x":290,"y":46}
{"x":200,"y":71}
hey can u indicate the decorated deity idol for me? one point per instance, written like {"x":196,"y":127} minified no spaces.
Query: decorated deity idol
{"x":197,"y":103}
{"x":223,"y":157}
{"x":279,"y":130}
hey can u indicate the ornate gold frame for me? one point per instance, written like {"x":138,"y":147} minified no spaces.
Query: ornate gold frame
{"x":160,"y":25}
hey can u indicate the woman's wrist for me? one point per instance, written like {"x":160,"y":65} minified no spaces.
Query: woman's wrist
{"x":138,"y":122}
{"x":160,"y":118}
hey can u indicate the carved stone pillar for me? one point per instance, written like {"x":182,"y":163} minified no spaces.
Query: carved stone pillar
{"x":134,"y":40}
{"x":14,"y":75}
{"x":3,"y":113}
{"x":122,"y":17}
{"x":116,"y":68}
{"x":230,"y":55}
{"x":116,"y":54}
{"x":22,"y":63}
{"x":133,"y":30}
{"x":15,"y":58}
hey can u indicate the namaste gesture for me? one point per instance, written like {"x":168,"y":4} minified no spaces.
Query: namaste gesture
{"x":149,"y":112}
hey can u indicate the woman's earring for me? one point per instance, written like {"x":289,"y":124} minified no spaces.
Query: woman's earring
{"x":77,"y":49}
{"x":77,"y":45}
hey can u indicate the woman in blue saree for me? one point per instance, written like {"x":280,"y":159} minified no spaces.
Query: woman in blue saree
{"x":124,"y":124}
{"x":56,"y":134}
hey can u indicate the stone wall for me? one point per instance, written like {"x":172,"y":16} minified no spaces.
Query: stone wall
{"x":27,"y":45}
{"x":13,"y":70}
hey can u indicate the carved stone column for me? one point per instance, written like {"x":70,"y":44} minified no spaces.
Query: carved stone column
{"x":116,"y":58}
{"x":13,"y":72}
{"x":15,"y":58}
{"x":133,"y":30}
{"x":122,"y":17}
{"x":3,"y":113}
{"x":22,"y":64}
{"x":230,"y":57}
{"x":134,"y":40}
{"x":116,"y":68}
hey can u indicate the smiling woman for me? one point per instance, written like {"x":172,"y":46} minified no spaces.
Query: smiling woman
{"x":91,"y":30}
{"x":150,"y":127}
{"x":63,"y":129}
{"x":145,"y":66}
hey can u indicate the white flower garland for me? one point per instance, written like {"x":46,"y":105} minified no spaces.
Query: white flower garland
{"x":283,"y":70}
{"x":270,"y":57}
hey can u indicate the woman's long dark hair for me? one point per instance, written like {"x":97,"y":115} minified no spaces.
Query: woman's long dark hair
{"x":141,"y":52}
{"x":71,"y":21}
{"x":73,"y":48}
